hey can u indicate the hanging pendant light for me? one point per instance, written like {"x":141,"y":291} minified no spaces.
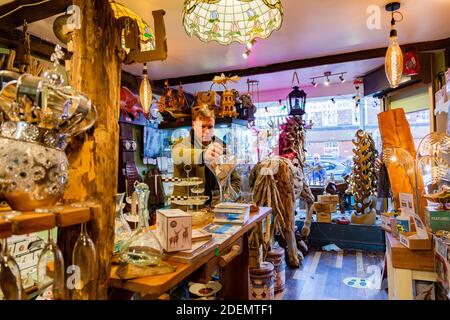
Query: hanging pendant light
{"x":227,"y":21}
{"x":394,"y":54}
{"x":145,"y":92}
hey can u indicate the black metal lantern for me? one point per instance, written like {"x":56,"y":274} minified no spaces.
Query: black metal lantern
{"x":297,"y":99}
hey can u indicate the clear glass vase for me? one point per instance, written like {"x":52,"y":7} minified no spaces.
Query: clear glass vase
{"x":143,"y":247}
{"x":122,"y":230}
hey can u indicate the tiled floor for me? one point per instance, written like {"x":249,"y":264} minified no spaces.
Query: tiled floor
{"x":321,"y":276}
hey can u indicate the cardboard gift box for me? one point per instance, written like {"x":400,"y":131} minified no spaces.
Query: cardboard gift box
{"x":333,"y":199}
{"x":437,"y":219}
{"x":174,"y":229}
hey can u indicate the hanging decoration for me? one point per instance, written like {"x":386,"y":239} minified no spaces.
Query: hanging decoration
{"x":357,"y":83}
{"x":145,"y":92}
{"x":139,"y":42}
{"x":296,"y":98}
{"x":146,"y":34}
{"x":394,"y":55}
{"x":411,"y":65}
{"x":227,"y":21}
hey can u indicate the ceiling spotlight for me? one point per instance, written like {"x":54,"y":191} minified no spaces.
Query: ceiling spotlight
{"x":246,"y":54}
{"x":332,"y":100}
{"x":341,"y":77}
{"x":314,"y":83}
{"x":327,"y":82}
{"x":251,"y":44}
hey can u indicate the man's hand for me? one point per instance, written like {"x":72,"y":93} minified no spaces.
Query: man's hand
{"x":211,"y":154}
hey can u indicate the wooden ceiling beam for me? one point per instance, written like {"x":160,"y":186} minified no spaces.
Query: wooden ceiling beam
{"x":25,"y":10}
{"x":312,"y":62}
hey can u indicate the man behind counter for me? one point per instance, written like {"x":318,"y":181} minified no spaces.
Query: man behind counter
{"x":197,"y":149}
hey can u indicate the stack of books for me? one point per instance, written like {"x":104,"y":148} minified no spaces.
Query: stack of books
{"x":199,"y":248}
{"x":231,"y":213}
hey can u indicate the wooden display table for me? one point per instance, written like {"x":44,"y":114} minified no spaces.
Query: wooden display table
{"x":234,"y":276}
{"x":405,"y":266}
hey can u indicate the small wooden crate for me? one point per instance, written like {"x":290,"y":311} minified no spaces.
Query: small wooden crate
{"x":328,"y":198}
{"x":323,"y":207}
{"x":324,"y":217}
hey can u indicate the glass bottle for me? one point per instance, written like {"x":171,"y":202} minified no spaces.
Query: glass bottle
{"x":143,"y":247}
{"x":122,"y":230}
{"x":10,"y":278}
{"x":85,"y":261}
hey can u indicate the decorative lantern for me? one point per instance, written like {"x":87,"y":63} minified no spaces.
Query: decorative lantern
{"x":394,"y":55}
{"x":297,"y":99}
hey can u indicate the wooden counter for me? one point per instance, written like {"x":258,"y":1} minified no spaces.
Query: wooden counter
{"x":153,"y":286}
{"x":405,"y":266}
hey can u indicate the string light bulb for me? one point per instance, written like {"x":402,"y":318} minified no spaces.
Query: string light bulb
{"x":394,"y":54}
{"x":145,"y":92}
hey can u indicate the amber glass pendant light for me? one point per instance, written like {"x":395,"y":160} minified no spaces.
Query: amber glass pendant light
{"x":145,"y":92}
{"x":394,"y":54}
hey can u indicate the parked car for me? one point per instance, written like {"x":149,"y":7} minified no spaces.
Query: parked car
{"x":332,"y":167}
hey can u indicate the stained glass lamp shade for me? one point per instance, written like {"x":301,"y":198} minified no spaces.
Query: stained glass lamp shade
{"x":227,"y":21}
{"x":147,"y":36}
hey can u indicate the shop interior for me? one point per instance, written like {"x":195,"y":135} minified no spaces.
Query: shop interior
{"x":224,"y":150}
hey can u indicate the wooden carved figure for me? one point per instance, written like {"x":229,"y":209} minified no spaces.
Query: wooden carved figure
{"x":227,"y":105}
{"x":363,"y":182}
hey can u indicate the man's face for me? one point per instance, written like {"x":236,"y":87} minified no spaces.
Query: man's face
{"x":204,"y":129}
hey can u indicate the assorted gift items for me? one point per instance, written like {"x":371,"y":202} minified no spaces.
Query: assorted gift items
{"x":442,"y":259}
{"x":325,"y":205}
{"x":173,"y":107}
{"x":229,"y":212}
{"x":226,"y":107}
{"x":363,"y":181}
{"x":39,"y":115}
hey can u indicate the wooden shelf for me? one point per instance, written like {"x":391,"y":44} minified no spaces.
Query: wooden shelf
{"x":219,"y":121}
{"x":30,"y":222}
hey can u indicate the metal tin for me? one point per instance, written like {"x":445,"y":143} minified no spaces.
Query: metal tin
{"x":276,"y":257}
{"x":262,"y":284}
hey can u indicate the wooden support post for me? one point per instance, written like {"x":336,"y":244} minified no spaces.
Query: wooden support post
{"x":93,"y":158}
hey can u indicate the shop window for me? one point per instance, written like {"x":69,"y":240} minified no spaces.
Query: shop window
{"x":419,"y":122}
{"x":329,"y":118}
{"x":331,"y":149}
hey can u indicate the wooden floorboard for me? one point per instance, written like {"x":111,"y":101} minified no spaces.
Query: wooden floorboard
{"x":321,"y":275}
